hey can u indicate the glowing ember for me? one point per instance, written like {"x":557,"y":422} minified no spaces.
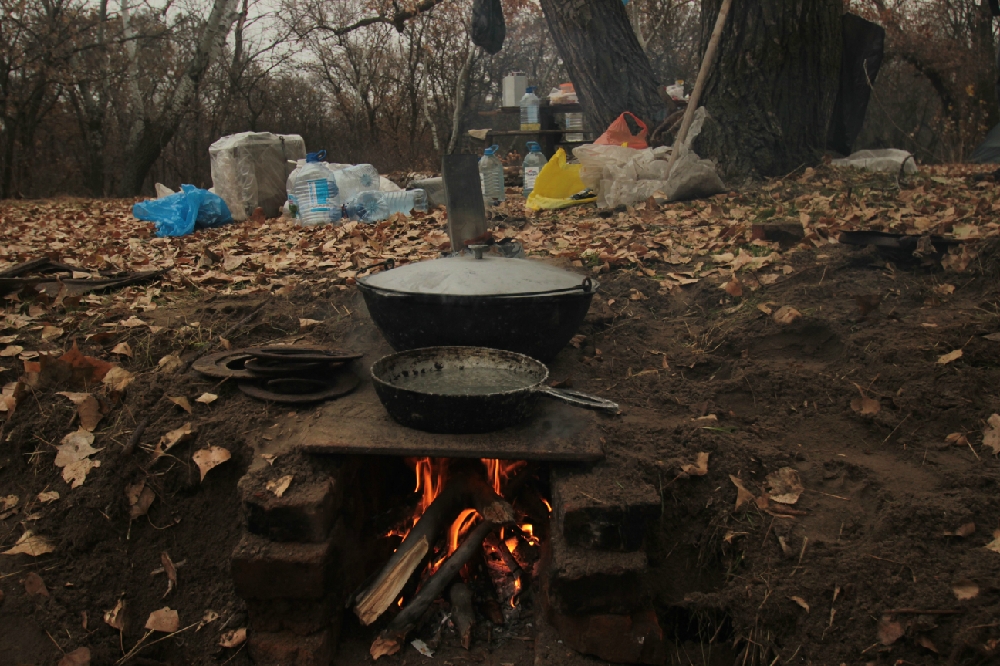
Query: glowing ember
{"x":547,"y":505}
{"x":529,"y":534}
{"x":511,"y":544}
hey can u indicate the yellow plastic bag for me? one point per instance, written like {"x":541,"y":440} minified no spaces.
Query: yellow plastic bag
{"x":556,"y":183}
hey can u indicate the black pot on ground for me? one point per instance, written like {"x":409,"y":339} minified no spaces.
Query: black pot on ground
{"x":521,"y":305}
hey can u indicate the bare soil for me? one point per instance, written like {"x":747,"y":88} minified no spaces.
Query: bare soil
{"x":867,"y":543}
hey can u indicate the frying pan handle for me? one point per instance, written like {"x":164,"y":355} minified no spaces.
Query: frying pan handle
{"x":580,"y":399}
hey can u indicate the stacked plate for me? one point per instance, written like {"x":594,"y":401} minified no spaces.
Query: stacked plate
{"x":284,"y":373}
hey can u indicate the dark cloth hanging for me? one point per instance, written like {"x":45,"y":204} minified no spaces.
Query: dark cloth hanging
{"x":864,"y":46}
{"x":488,"y":26}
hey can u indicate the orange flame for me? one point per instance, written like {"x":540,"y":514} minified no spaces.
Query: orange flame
{"x":498,"y":471}
{"x":517,"y":592}
{"x":547,"y":505}
{"x":529,"y":534}
{"x":458,"y":528}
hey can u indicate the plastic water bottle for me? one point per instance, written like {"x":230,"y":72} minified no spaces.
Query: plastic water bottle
{"x":529,"y":112}
{"x":374,"y":206}
{"x":574,"y":121}
{"x":491,"y":176}
{"x":316,"y":192}
{"x":355,"y":179}
{"x":533,"y":163}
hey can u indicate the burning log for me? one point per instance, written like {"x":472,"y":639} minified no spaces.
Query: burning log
{"x":461,"y":612}
{"x":391,"y":639}
{"x":459,"y":493}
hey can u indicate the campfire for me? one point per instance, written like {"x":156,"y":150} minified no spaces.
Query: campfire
{"x":485,"y":512}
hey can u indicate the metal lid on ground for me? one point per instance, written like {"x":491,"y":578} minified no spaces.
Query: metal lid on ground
{"x":489,"y":276}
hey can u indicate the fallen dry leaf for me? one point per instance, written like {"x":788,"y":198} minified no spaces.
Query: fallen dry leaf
{"x":206,"y":398}
{"x":234,"y":638}
{"x":763,"y":308}
{"x":268,"y":458}
{"x":995,"y":544}
{"x":115,"y":617}
{"x":118,"y":378}
{"x":210,"y":458}
{"x":866,"y":406}
{"x":209,"y":617}
{"x":173,"y":438}
{"x":34,"y":585}
{"x":578,"y":340}
{"x":888,"y":631}
{"x":944,"y":289}
{"x":75,"y":473}
{"x":734,"y":287}
{"x":170,"y":570}
{"x":801,"y":602}
{"x":279,"y":486}
{"x":181,"y":402}
{"x":12,"y":350}
{"x":8,"y":339}
{"x":78,"y":657}
{"x":923,"y":641}
{"x":742,"y":494}
{"x":699,"y":468}
{"x":51,"y":332}
{"x":30,"y":544}
{"x":73,"y":457}
{"x":123,"y":349}
{"x":308,"y":323}
{"x":963,"y":530}
{"x":48,"y":496}
{"x":9,"y":502}
{"x":949,"y":357}
{"x":786,"y":315}
{"x":88,"y":409}
{"x":785,"y":486}
{"x":170,"y":363}
{"x":991,"y":436}
{"x":140,"y":498}
{"x":165,"y":620}
{"x":75,"y":446}
{"x":965,"y":590}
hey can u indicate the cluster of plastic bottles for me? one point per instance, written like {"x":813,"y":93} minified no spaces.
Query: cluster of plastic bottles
{"x":323,"y":193}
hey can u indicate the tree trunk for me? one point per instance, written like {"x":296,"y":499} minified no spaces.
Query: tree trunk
{"x":608,"y":67}
{"x":150,"y":132}
{"x":772,"y":90}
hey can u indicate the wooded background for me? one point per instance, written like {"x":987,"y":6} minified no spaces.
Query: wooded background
{"x":106,"y":97}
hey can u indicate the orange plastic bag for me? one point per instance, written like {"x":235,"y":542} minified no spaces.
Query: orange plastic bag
{"x":619,"y":134}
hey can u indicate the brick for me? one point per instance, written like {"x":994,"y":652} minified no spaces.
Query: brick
{"x":585,"y":582}
{"x":264,"y":569}
{"x":625,"y":639}
{"x":287,"y":649}
{"x":304,"y":513}
{"x":299,"y":616}
{"x":595,"y":510}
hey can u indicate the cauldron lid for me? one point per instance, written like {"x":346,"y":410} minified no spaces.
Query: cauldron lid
{"x":490,"y":276}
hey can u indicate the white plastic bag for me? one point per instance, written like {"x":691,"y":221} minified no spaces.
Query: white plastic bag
{"x":889,"y":159}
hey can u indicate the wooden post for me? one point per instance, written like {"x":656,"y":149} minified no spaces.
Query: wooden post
{"x":699,"y":86}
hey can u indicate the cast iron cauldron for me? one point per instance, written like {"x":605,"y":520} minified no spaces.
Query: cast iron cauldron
{"x":521,"y":305}
{"x":467,"y":389}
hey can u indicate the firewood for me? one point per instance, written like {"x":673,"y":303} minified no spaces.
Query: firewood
{"x":463,"y":491}
{"x":461,"y":612}
{"x":393,"y":636}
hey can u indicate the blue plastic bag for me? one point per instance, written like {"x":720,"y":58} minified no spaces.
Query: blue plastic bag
{"x":178,"y":214}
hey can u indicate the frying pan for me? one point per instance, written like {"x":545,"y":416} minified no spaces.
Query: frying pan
{"x":467,"y":389}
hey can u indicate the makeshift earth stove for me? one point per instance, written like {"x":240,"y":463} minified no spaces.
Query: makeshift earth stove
{"x":497,"y":470}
